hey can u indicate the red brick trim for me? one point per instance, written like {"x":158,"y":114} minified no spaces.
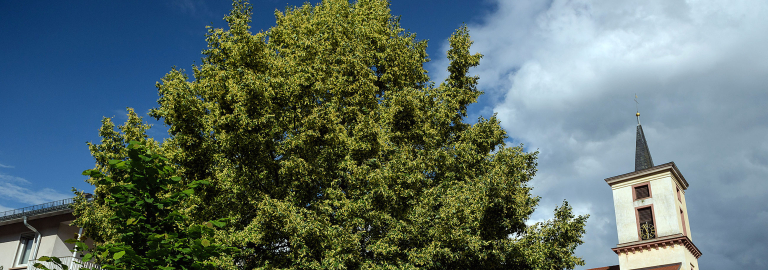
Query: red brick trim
{"x":634,"y":194}
{"x":663,"y":243}
{"x":637,"y":220}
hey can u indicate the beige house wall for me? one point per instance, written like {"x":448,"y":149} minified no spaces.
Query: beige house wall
{"x":53,"y":229}
{"x":66,"y":232}
{"x":52,"y":243}
{"x":9,"y":243}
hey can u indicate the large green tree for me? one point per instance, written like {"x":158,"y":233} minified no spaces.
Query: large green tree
{"x":327,"y":146}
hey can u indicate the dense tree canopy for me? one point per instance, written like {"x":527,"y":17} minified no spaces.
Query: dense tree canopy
{"x":327,"y":146}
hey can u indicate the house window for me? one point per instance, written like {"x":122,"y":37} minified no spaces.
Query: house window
{"x":25,"y":249}
{"x":641,"y":191}
{"x":645,"y":222}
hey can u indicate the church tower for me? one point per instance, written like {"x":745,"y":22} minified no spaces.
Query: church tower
{"x":651,"y":214}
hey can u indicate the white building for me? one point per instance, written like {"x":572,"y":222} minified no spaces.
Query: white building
{"x":40,"y":230}
{"x":652,"y":216}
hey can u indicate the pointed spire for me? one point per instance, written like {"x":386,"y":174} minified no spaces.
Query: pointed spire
{"x":643,"y":158}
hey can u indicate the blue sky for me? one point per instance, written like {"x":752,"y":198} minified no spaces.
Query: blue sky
{"x":561,"y":74}
{"x":68,"y":64}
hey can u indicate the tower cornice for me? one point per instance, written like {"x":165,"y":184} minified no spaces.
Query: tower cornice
{"x":666,"y":167}
{"x":657,"y":243}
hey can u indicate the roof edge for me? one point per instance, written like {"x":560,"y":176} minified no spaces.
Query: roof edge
{"x":36,"y":216}
{"x":670,"y":166}
{"x":679,"y":265}
{"x":677,"y":239}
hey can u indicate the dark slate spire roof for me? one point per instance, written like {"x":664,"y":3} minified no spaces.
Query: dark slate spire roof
{"x":643,"y":158}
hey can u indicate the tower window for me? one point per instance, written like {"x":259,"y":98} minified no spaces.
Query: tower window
{"x":679,"y":198}
{"x":642,"y":191}
{"x":682,"y":218}
{"x":645,"y":222}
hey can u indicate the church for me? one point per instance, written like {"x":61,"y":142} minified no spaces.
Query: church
{"x":651,"y":215}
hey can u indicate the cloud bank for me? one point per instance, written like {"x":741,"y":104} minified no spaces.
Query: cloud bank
{"x":14,"y":190}
{"x":562,"y":75}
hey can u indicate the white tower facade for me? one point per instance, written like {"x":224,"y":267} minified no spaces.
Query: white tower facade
{"x":652,"y":219}
{"x":652,"y":215}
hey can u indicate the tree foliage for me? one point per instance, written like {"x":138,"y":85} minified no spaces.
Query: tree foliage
{"x":94,"y":217}
{"x":150,"y":230}
{"x":327,"y":146}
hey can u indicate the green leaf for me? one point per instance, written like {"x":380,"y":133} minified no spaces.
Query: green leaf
{"x":188,"y":191}
{"x":205,"y":242}
{"x":130,"y":221}
{"x":88,"y":257}
{"x":118,"y":255}
{"x":218,"y":223}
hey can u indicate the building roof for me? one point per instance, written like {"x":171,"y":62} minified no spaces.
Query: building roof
{"x":674,"y":266}
{"x":615,"y":267}
{"x":643,"y":158}
{"x":37,"y":211}
{"x":670,"y":166}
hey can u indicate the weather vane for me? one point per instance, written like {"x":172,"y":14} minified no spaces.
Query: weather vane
{"x":637,"y":107}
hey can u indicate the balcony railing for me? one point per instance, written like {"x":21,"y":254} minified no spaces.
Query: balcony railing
{"x":36,"y":209}
{"x":69,"y":261}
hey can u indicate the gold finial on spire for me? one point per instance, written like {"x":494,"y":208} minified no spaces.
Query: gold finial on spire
{"x":637,"y":106}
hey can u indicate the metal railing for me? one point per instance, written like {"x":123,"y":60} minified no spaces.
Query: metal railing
{"x":36,"y":209}
{"x":72,"y":263}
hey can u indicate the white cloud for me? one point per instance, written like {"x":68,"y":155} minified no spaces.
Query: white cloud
{"x":12,"y":189}
{"x":12,"y":179}
{"x":6,"y":166}
{"x":195,"y":8}
{"x":566,"y":72}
